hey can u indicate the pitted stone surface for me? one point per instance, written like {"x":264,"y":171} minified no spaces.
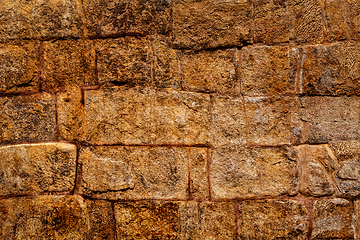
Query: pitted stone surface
{"x":199,"y":187}
{"x":334,"y":12}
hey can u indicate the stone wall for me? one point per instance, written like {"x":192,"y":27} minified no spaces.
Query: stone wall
{"x":182,"y":119}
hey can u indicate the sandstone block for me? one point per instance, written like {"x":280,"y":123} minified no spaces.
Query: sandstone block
{"x":330,"y":118}
{"x":273,"y":120}
{"x":210,"y":71}
{"x":268,"y":70}
{"x":119,"y":17}
{"x":146,"y":116}
{"x":36,"y":168}
{"x":331,"y":70}
{"x":43,"y":217}
{"x":27,"y":119}
{"x":333,"y":219}
{"x":19,"y":66}
{"x":125,"y":61}
{"x":199,"y":187}
{"x":134,"y":172}
{"x":69,"y":63}
{"x":334,"y":20}
{"x":156,"y":220}
{"x":273,"y":219}
{"x":211,"y":23}
{"x":40,"y":19}
{"x":272,"y":21}
{"x":228,"y":121}
{"x":354,"y":18}
{"x":238,"y":172}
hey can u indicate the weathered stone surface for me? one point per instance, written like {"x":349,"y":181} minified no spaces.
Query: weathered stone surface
{"x":330,"y":118}
{"x":146,"y":116}
{"x":111,"y":18}
{"x":354,"y":18}
{"x":210,"y":71}
{"x":43,"y":217}
{"x":272,"y":21}
{"x":273,"y":219}
{"x":156,"y":220}
{"x":268,"y":70}
{"x":27,"y":119}
{"x":228,"y":121}
{"x":102,"y":222}
{"x":331,"y":70}
{"x":167,"y":71}
{"x":124,"y":61}
{"x":307,"y":18}
{"x":334,"y":20}
{"x":273,"y":120}
{"x":36,"y":168}
{"x":238,"y":172}
{"x":211,"y":23}
{"x":134,"y":172}
{"x":199,"y":187}
{"x":69,"y":63}
{"x":40,"y":19}
{"x":19,"y":66}
{"x":216,"y":220}
{"x":333,"y":219}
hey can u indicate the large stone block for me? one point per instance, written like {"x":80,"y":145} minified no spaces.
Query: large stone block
{"x":331,"y":70}
{"x":119,"y":17}
{"x":333,"y":219}
{"x":330,"y":118}
{"x":41,"y":19}
{"x":135,"y":172}
{"x":27,"y":118}
{"x":69,"y":63}
{"x":268,"y":70}
{"x":43,"y":217}
{"x":334,"y":13}
{"x":238,"y":172}
{"x":273,"y":219}
{"x":19,"y":66}
{"x":146,"y":116}
{"x":37,"y":168}
{"x":354,"y":18}
{"x":211,"y":23}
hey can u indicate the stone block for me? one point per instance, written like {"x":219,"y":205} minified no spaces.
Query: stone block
{"x":211,"y":23}
{"x":199,"y":187}
{"x":69,"y":63}
{"x":27,"y":119}
{"x":273,"y":219}
{"x":119,"y":17}
{"x":354,"y":18}
{"x":210,"y":71}
{"x":334,"y":13}
{"x":19,"y":66}
{"x":238,"y":172}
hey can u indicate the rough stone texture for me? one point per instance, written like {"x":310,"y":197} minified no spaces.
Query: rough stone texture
{"x":124,"y":61}
{"x":156,"y":220}
{"x":272,"y":21}
{"x":134,"y":172}
{"x":334,"y":20}
{"x":114,"y":18}
{"x":27,"y":118}
{"x":273,"y":219}
{"x":238,"y":172}
{"x":40,"y":19}
{"x":331,"y":70}
{"x":268,"y":70}
{"x":210,"y":71}
{"x":19,"y":66}
{"x":211,"y":23}
{"x":199,"y":187}
{"x":146,"y":116}
{"x":69,"y":63}
{"x":33,"y":168}
{"x":354,"y":18}
{"x":333,"y":219}
{"x":101,"y":220}
{"x":43,"y":217}
{"x":330,"y":118}
{"x":307,"y":20}
{"x":228,"y":121}
{"x":273,"y":120}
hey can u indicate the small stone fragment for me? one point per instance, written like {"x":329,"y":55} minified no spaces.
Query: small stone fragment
{"x":273,"y":219}
{"x":199,"y":187}
{"x":334,"y":20}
